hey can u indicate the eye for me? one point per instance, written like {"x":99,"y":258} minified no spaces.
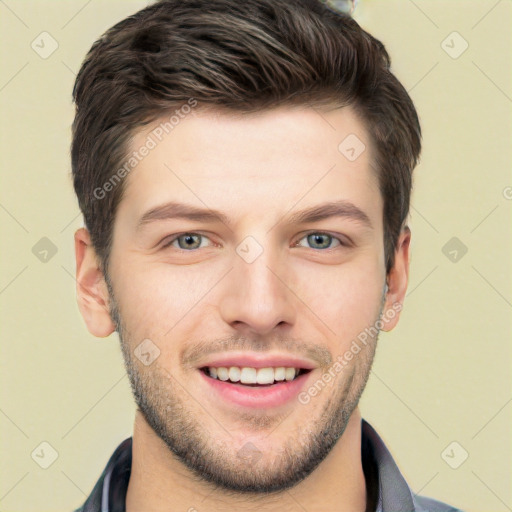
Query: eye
{"x":192,"y":241}
{"x":320,"y":240}
{"x":186,"y":241}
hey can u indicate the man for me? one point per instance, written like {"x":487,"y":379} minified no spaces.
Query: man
{"x":244,"y":170}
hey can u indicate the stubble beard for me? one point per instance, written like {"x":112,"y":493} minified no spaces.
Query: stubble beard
{"x":166,"y":406}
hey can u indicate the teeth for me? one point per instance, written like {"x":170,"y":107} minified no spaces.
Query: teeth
{"x":234,"y":374}
{"x":266,"y":376}
{"x":248,"y":375}
{"x":289,"y":373}
{"x":222,"y":373}
{"x":280,"y":373}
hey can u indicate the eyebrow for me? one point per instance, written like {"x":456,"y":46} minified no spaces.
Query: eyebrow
{"x":339,"y":208}
{"x":176,"y":210}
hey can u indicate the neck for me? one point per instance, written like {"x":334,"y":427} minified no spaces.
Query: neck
{"x":158,"y":479}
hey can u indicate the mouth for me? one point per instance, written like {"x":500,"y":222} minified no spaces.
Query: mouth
{"x":254,"y":377}
{"x":255,"y":387}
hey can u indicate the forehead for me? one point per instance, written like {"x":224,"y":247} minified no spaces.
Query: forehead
{"x":271,"y":159}
{"x":285,"y":132}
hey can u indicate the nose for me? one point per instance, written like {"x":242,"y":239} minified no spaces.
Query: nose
{"x":256,"y":297}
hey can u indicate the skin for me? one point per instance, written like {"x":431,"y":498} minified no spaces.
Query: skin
{"x":302,"y":296}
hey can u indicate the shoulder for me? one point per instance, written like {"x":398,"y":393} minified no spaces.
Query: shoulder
{"x":425,"y":504}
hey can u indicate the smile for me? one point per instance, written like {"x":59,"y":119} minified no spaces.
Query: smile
{"x":254,"y":376}
{"x":255,"y":387}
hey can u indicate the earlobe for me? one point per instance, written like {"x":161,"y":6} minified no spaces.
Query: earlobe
{"x":92,"y":292}
{"x":397,"y":280}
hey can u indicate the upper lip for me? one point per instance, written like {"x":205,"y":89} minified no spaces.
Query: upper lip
{"x":258,"y":361}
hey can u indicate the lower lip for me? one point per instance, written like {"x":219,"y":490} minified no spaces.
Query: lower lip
{"x":258,"y":396}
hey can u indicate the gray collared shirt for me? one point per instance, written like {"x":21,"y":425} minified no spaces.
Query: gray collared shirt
{"x":393,"y":493}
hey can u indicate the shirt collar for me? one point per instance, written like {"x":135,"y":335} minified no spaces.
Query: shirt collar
{"x":394,"y":492}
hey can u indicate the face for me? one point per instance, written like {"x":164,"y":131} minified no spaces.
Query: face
{"x":266,"y":276}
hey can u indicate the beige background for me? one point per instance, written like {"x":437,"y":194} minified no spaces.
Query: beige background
{"x":443,"y":375}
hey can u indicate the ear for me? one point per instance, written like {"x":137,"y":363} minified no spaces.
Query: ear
{"x":397,"y":280}
{"x":91,"y":288}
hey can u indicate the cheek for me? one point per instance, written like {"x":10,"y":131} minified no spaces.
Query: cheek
{"x":155,"y":298}
{"x":346,"y":299}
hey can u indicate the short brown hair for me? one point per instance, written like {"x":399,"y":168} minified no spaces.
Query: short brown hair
{"x":240,"y":56}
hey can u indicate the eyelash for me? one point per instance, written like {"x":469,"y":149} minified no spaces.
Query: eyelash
{"x":176,"y":237}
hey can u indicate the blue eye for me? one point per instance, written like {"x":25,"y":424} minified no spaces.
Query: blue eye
{"x":186,"y":241}
{"x":192,"y":241}
{"x":322,"y":239}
